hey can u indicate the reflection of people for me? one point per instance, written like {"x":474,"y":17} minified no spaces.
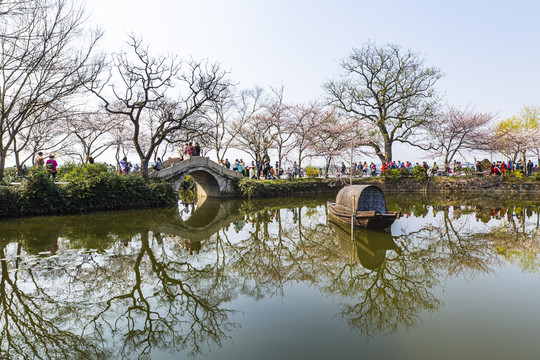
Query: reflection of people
{"x":194,"y":247}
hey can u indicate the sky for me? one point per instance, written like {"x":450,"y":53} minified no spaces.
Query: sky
{"x":489,"y":51}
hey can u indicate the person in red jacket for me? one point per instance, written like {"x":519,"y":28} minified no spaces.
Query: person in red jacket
{"x":51,"y":165}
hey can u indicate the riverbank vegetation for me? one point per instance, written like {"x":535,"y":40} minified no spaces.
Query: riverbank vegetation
{"x":82,"y":188}
{"x":394,"y":181}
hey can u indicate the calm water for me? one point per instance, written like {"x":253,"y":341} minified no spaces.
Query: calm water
{"x":454,"y":278}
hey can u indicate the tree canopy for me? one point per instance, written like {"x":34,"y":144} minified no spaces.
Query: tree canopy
{"x":390,"y":89}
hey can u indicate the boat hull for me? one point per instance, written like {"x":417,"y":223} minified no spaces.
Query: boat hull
{"x":365,"y":219}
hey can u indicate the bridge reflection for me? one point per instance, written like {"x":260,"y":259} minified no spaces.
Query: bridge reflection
{"x":205,"y":219}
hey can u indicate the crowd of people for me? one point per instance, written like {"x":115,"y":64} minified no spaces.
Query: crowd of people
{"x":264,"y":169}
{"x":449,"y":169}
{"x":254,"y":170}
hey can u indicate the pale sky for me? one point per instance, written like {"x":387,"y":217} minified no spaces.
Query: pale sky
{"x":489,"y":51}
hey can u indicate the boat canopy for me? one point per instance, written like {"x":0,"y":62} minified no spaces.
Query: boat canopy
{"x":366,"y":198}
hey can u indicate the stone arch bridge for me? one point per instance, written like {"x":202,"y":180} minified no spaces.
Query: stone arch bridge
{"x":212,"y":179}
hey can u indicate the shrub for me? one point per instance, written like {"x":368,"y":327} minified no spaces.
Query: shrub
{"x":39,"y":195}
{"x":70,"y":171}
{"x":311,"y":172}
{"x":391,"y":175}
{"x":88,"y":188}
{"x":513,"y":175}
{"x":11,"y":175}
{"x":268,"y":188}
{"x":404,"y":172}
{"x":188,"y":184}
{"x":10,"y":200}
{"x":419,"y":173}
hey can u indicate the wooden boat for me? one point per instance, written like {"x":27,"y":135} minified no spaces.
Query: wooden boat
{"x":366,"y":203}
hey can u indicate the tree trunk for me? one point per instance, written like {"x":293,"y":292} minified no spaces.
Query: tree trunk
{"x":327,"y":168}
{"x":388,"y":150}
{"x":2,"y":165}
{"x":144,"y":168}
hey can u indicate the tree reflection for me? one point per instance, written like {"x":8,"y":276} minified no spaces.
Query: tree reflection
{"x":140,"y":291}
{"x":33,"y":322}
{"x":170,"y":305}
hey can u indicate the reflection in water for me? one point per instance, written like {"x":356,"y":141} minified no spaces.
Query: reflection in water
{"x":367,"y":246}
{"x":132,"y":283}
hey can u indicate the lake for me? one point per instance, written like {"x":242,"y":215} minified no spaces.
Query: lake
{"x":453,"y":278}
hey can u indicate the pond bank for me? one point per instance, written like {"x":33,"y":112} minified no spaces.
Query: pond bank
{"x":488,"y":184}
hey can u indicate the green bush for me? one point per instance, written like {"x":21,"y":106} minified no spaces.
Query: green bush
{"x":419,"y":173}
{"x":188,"y":184}
{"x":11,"y":175}
{"x":10,"y":199}
{"x":71,"y":171}
{"x":404,"y":172}
{"x":39,"y":195}
{"x":391,"y":175}
{"x":88,"y":188}
{"x":269,"y":188}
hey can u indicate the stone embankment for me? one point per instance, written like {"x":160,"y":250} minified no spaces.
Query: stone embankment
{"x":486,"y":184}
{"x":442,"y":185}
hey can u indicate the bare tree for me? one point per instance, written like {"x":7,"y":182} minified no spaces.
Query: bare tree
{"x":144,"y":94}
{"x":122,"y":138}
{"x":92,"y":133}
{"x":46,"y":58}
{"x":278,"y":114}
{"x":225,"y":121}
{"x":42,"y":133}
{"x":389,"y":88}
{"x":254,"y":134}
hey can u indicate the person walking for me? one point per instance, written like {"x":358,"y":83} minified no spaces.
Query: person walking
{"x":124,"y":169}
{"x":51,"y":166}
{"x":159,"y":165}
{"x":530,"y":166}
{"x":39,"y":161}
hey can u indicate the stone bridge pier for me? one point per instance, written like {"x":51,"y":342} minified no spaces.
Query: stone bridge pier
{"x":212,"y":179}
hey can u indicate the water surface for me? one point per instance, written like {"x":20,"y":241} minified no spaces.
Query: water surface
{"x":274,"y":279}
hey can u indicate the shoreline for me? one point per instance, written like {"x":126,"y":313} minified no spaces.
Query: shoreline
{"x":448,"y":185}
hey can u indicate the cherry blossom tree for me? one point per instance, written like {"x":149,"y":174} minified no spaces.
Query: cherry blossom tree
{"x":255,"y":134}
{"x":334,"y":135}
{"x":455,"y":131}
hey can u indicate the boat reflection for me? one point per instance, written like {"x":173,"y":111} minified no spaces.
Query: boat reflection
{"x":368,"y":247}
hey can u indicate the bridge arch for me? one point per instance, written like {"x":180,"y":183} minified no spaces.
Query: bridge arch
{"x":212,"y":179}
{"x":207,"y":184}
